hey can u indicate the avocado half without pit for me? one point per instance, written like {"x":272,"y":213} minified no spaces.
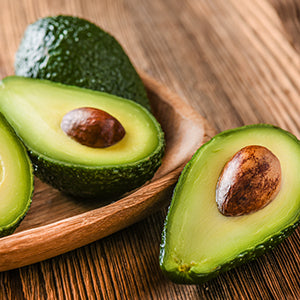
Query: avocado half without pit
{"x":16,"y":180}
{"x":83,"y":142}
{"x":238,"y":197}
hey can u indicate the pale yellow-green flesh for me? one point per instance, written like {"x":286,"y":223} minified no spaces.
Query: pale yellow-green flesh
{"x":198,"y":235}
{"x":35,"y":110}
{"x":15,"y":178}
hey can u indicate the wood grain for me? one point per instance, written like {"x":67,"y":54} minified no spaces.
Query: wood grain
{"x":289,"y":13}
{"x":236,"y":62}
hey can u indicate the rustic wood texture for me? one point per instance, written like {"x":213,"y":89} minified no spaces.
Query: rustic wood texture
{"x":236,"y":62}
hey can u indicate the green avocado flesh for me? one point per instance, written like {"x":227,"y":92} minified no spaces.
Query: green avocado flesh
{"x":16,"y":180}
{"x":73,"y":51}
{"x":35,"y":109}
{"x":198,"y":241}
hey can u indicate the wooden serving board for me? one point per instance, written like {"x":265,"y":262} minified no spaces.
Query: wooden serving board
{"x":57,"y":223}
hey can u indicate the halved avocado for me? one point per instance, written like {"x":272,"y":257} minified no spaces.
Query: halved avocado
{"x":199,"y":241}
{"x":35,"y":109}
{"x":16,"y":180}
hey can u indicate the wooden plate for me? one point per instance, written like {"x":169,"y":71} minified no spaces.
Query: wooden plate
{"x":57,"y":223}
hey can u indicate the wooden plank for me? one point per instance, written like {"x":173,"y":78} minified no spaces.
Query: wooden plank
{"x":236,"y":62}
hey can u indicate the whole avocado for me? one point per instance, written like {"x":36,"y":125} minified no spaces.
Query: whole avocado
{"x":74,"y":51}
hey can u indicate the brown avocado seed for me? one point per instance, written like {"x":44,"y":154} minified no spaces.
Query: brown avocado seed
{"x":248,"y":182}
{"x":92,"y":127}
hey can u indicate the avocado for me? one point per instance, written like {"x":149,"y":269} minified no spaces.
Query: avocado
{"x":36,"y":109}
{"x":202,"y":236}
{"x":74,"y":51}
{"x":16,"y":177}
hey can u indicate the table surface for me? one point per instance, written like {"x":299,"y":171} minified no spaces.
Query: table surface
{"x":235,"y":62}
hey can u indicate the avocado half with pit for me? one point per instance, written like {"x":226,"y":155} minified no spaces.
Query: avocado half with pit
{"x":238,"y":197}
{"x":16,"y":180}
{"x":39,"y":111}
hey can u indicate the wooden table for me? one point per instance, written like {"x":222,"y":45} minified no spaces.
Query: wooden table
{"x":235,"y":62}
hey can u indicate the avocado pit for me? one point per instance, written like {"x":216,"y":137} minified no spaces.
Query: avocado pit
{"x":249,"y":181}
{"x":92,"y":127}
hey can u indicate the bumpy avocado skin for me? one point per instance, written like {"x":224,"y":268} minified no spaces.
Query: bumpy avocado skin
{"x":97,"y":182}
{"x":10,"y":228}
{"x":187,"y":276}
{"x":76,"y":52}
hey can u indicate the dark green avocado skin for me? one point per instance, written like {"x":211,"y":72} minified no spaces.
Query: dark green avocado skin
{"x":258,"y":250}
{"x":97,"y":182}
{"x":76,"y":52}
